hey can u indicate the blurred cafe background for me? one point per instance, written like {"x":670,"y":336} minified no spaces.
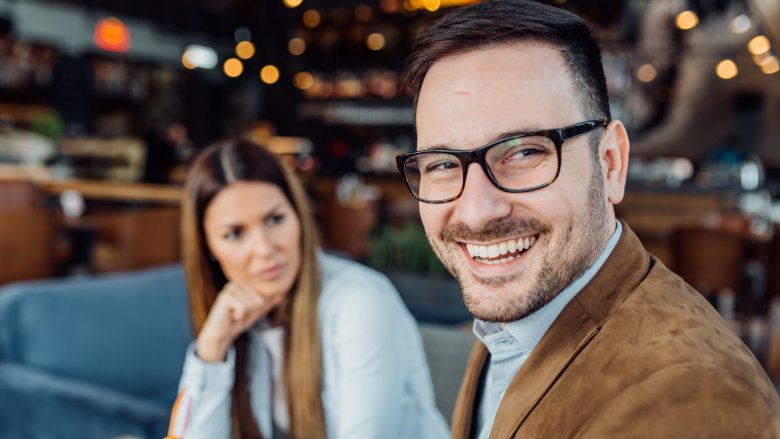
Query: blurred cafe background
{"x":103,"y":104}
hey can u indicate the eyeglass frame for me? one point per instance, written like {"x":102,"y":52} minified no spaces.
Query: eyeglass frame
{"x":477,"y":155}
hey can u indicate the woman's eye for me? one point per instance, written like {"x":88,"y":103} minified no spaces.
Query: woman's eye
{"x":276,"y":219}
{"x":232,"y":235}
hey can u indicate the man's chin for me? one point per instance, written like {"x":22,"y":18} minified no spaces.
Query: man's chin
{"x":496,"y":310}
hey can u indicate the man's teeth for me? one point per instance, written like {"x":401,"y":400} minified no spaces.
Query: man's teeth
{"x":483,"y":252}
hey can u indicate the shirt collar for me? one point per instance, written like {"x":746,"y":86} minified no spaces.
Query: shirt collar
{"x":526,"y":332}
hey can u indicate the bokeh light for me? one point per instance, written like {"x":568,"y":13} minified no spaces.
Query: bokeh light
{"x":759,"y":45}
{"x":726,"y":69}
{"x":269,"y":74}
{"x":303,"y":80}
{"x":686,"y":20}
{"x":375,"y":41}
{"x":646,"y":73}
{"x":245,"y":49}
{"x":311,"y":18}
{"x":770,"y":65}
{"x":296,"y":46}
{"x":233,"y":68}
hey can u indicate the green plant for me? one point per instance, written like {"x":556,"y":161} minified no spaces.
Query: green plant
{"x":403,"y":248}
{"x":48,"y":125}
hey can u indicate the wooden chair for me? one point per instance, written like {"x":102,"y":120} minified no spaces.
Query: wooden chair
{"x":19,"y":195}
{"x":347,"y":228}
{"x":774,"y":265}
{"x":709,"y":259}
{"x":773,"y":356}
{"x":26,"y":245}
{"x":27,"y":233}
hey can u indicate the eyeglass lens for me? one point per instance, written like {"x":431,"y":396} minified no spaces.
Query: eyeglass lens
{"x":516,"y":164}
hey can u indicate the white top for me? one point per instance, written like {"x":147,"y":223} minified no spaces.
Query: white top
{"x":376,"y":382}
{"x":273,"y":342}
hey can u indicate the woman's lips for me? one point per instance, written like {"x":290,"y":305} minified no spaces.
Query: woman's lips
{"x":270,"y":273}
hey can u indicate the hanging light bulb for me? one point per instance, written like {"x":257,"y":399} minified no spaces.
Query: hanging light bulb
{"x":296,"y":46}
{"x":686,"y":20}
{"x":245,"y":49}
{"x":770,"y":65}
{"x":646,"y":73}
{"x":375,"y":41}
{"x":759,"y":45}
{"x":726,"y":69}
{"x":303,"y":80}
{"x":233,"y":67}
{"x":741,"y":24}
{"x":196,"y":56}
{"x":269,"y":74}
{"x":311,"y":18}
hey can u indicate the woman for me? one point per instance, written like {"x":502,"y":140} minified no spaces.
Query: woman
{"x":290,"y":342}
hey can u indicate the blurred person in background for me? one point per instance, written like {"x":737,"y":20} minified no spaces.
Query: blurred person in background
{"x":581,"y":332}
{"x":291,"y":343}
{"x":167,"y":147}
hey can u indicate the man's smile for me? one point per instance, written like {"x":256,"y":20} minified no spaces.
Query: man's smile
{"x":500,"y":252}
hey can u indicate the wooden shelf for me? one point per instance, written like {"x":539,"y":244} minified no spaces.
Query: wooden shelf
{"x":111,"y":191}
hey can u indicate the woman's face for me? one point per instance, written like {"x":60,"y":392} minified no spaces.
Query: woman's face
{"x":255,"y":235}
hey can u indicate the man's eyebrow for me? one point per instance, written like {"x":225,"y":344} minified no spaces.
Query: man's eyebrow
{"x":504,"y":135}
{"x":432,"y":147}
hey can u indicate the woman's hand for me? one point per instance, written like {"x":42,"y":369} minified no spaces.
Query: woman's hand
{"x":236,"y":309}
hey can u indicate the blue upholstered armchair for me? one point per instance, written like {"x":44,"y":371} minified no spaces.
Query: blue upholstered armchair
{"x":92,"y":357}
{"x":99,"y":358}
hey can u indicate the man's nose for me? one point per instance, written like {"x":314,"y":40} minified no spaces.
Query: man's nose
{"x":481,"y":201}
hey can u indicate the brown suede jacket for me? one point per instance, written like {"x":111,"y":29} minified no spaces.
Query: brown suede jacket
{"x":637,"y":353}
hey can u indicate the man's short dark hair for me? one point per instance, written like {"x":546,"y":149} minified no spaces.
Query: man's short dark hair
{"x":496,"y":22}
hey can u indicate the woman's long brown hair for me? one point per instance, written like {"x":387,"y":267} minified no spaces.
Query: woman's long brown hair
{"x":214,"y":169}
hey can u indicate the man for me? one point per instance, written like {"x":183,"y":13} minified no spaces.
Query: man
{"x":581,"y":331}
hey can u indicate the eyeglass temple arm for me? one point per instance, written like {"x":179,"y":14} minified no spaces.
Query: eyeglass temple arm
{"x":582,"y":128}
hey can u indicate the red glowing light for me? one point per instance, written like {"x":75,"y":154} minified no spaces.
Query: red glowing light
{"x":112,"y":35}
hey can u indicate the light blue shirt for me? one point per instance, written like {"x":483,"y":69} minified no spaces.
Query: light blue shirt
{"x":376,"y":382}
{"x":511,"y":345}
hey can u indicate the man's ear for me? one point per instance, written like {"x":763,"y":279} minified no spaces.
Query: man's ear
{"x":613,"y":154}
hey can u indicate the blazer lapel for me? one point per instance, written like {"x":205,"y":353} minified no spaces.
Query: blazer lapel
{"x":574,"y":331}
{"x":575,"y":327}
{"x":463,"y":415}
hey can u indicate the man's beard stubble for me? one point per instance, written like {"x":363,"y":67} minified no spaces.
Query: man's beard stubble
{"x":559,"y":268}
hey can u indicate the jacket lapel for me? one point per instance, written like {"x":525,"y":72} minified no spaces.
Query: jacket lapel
{"x":575,"y":327}
{"x":463,"y":415}
{"x":543,"y":367}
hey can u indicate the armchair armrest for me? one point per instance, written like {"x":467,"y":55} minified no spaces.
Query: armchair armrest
{"x":35,"y":404}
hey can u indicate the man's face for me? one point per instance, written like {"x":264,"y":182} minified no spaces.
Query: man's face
{"x":474,"y":98}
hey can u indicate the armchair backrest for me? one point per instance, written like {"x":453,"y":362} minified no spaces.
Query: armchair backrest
{"x":124,"y":331}
{"x":447,"y":350}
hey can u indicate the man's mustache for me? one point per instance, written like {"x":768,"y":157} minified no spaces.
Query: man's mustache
{"x":495,"y":230}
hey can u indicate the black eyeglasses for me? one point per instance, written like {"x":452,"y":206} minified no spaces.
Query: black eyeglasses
{"x":521,"y":163}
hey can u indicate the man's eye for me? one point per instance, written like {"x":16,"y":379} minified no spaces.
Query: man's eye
{"x":526,"y":148}
{"x":442,"y":165}
{"x":520,"y":153}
